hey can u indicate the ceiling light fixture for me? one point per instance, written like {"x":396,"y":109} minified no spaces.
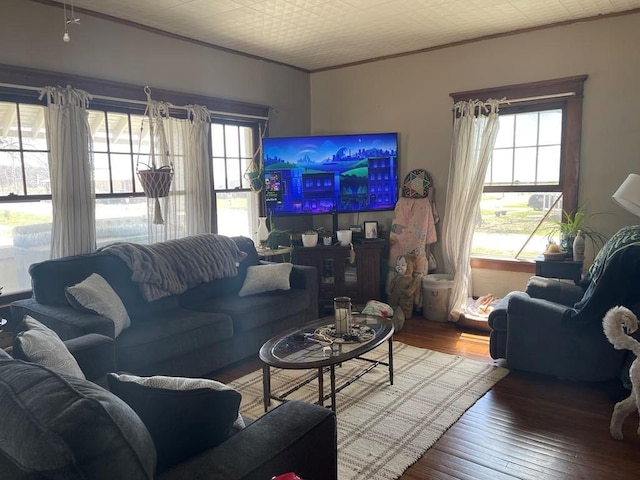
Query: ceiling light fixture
{"x":68,"y":20}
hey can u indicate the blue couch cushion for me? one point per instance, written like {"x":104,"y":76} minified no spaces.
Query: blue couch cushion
{"x":171,"y":334}
{"x":254,"y":311}
{"x":63,"y":427}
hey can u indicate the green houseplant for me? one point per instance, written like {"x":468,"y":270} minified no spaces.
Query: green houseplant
{"x":275,"y":234}
{"x":567,"y":228}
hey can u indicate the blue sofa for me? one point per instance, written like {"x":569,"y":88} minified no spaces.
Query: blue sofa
{"x":191,"y":334}
{"x":58,"y":426}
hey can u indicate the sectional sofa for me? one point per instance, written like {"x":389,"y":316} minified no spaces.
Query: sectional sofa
{"x":191,"y":333}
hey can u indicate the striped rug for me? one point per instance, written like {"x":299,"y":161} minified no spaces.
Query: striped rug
{"x":383,"y":429}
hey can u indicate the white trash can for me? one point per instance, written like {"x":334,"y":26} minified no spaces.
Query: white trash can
{"x":436,"y":290}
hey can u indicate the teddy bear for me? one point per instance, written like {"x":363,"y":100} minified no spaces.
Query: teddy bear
{"x":403,"y":286}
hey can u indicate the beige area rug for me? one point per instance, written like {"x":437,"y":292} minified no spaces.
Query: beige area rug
{"x":383,"y":429}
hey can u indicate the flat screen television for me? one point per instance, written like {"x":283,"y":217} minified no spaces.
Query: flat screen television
{"x":330,"y":174}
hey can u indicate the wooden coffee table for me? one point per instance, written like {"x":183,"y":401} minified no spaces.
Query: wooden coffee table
{"x":314,"y":346}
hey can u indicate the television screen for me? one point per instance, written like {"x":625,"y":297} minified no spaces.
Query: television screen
{"x":330,"y":174}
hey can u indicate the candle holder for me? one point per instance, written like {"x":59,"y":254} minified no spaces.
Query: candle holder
{"x":342,"y":315}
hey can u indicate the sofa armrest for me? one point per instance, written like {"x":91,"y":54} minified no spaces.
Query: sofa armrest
{"x":554,"y":290}
{"x":96,"y":355}
{"x":294,"y":437}
{"x":306,"y":277}
{"x":65,"y":320}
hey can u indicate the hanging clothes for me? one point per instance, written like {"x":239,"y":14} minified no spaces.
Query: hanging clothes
{"x":413,"y":228}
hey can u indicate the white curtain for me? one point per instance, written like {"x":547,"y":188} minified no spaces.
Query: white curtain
{"x":173,"y":205}
{"x":187,"y":209}
{"x":71,"y":171}
{"x":197,"y":171}
{"x":474,"y":135}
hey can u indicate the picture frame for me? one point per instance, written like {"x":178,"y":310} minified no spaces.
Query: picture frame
{"x":370,"y":230}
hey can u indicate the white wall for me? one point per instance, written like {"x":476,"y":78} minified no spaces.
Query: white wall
{"x":410,"y":95}
{"x":31,"y":36}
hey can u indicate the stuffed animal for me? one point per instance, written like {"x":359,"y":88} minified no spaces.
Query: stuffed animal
{"x":403,"y":286}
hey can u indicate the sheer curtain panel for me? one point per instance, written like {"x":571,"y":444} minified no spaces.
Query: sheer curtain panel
{"x":71,"y":171}
{"x":474,"y":134}
{"x":173,"y":205}
{"x":197,"y":171}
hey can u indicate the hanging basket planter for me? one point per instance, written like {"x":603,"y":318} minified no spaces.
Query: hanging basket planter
{"x":255,"y":179}
{"x":156,"y":182}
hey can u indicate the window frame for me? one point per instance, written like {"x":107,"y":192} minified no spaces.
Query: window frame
{"x":566,"y":93}
{"x":255,"y":127}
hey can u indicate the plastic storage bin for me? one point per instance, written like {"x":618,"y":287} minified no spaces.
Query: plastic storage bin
{"x":436,"y":290}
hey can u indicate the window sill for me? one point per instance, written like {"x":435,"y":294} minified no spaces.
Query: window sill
{"x":504,"y":264}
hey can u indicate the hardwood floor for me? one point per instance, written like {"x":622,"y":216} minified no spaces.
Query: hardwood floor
{"x":526,"y":427}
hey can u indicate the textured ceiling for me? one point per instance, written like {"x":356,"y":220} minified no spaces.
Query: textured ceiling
{"x":316,"y":34}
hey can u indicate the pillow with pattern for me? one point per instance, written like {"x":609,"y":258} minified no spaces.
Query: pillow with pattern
{"x":266,"y":278}
{"x":37,"y":343}
{"x":94,"y":294}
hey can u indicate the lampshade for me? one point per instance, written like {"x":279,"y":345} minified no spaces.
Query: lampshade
{"x":628,"y":194}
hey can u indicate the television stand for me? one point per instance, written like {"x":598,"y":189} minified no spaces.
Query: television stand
{"x":338,"y":277}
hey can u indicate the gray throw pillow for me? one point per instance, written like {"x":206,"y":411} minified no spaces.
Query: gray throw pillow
{"x":94,"y":294}
{"x":266,"y":278}
{"x":39,"y":344}
{"x":184,"y":416}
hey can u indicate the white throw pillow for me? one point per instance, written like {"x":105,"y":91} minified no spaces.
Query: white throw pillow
{"x":95,"y":294}
{"x":39,"y":344}
{"x":266,"y":278}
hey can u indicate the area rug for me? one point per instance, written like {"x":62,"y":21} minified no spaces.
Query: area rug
{"x":383,"y":429}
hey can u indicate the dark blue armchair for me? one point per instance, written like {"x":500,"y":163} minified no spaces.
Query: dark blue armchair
{"x":555,"y":328}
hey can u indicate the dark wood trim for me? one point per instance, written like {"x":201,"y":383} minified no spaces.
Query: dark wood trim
{"x":525,"y":90}
{"x":32,"y":77}
{"x":505,"y":265}
{"x":570,"y":163}
{"x":478,"y":39}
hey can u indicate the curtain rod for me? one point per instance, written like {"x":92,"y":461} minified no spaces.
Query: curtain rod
{"x":139,"y":102}
{"x":539,"y":97}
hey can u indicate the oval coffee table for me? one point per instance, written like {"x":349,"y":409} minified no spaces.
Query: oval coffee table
{"x":315,"y":346}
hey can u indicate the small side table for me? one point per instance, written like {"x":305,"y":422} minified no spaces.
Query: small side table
{"x":270,"y":254}
{"x":559,"y":269}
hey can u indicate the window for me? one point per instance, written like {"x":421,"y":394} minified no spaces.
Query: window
{"x":233,"y":145}
{"x":533,"y":173}
{"x":121,"y":208}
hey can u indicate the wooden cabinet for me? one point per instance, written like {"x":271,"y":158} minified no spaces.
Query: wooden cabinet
{"x":337,"y":276}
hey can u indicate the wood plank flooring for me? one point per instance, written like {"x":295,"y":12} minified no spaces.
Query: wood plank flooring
{"x":526,"y":427}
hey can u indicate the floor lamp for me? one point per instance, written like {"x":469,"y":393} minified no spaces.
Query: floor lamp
{"x":628,"y":194}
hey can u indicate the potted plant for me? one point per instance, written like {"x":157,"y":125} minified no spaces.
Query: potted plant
{"x":310,"y":238}
{"x":275,"y":234}
{"x":568,"y":228}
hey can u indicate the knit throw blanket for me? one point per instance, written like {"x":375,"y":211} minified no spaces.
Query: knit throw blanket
{"x":171,"y":267}
{"x":625,"y":237}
